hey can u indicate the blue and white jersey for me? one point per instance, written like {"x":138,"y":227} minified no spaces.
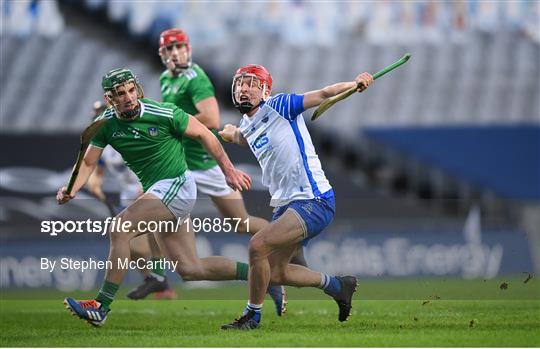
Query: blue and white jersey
{"x":278,"y":137}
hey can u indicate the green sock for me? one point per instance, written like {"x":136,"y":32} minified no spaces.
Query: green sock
{"x":158,"y":270}
{"x":106,"y":294}
{"x":241,"y":271}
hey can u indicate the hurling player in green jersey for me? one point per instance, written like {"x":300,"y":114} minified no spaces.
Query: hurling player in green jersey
{"x":186,"y":85}
{"x":148,"y":135}
{"x":111,"y":162}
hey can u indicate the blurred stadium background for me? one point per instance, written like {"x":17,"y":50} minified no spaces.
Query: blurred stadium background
{"x":436,"y":167}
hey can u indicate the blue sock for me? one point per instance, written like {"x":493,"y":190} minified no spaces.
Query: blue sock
{"x":257,"y":308}
{"x":330,"y":284}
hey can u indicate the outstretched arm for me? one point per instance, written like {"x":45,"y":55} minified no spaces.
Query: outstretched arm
{"x":236,"y":179}
{"x":88,"y":165}
{"x":316,"y":97}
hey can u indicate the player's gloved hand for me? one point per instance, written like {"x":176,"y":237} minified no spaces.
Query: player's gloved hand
{"x":238,"y":180}
{"x":62,"y":196}
{"x":229,"y":134}
{"x":363,"y":81}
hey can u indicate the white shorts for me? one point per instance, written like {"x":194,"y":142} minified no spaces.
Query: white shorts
{"x":178,"y":194}
{"x":211,"y":182}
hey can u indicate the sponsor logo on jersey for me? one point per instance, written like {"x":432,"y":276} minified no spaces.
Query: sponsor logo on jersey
{"x":260,"y":141}
{"x":153,"y":131}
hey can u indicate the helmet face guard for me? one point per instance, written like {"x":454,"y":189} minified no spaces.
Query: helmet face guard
{"x":257,"y":74}
{"x":245,"y":106}
{"x":112,"y":82}
{"x":170,"y":40}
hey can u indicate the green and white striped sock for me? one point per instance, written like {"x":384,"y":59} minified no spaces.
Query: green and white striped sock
{"x":106,"y":294}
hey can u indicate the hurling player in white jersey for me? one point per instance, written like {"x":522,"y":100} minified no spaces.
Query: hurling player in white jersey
{"x":274,"y":129}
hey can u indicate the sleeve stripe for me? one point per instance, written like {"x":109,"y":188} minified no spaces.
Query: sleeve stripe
{"x":282,"y":104}
{"x":151,"y":112}
{"x":109,"y":113}
{"x":288,"y":106}
{"x":159,"y":109}
{"x":162,"y":111}
{"x":159,"y":112}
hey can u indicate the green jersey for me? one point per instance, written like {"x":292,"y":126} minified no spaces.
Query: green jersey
{"x":151,"y":145}
{"x":185,"y":91}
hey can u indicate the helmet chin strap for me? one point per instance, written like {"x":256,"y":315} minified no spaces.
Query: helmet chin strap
{"x":129,"y":114}
{"x":245,"y":107}
{"x":180,"y":68}
{"x":177,"y":69}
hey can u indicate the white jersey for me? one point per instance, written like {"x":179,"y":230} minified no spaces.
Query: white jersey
{"x":130,"y":187}
{"x":280,"y":141}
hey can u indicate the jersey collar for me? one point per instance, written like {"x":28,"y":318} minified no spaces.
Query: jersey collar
{"x":258,"y":114}
{"x":142,"y":108}
{"x":261,"y":105}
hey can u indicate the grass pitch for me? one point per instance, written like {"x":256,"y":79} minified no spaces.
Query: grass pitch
{"x":444,"y":319}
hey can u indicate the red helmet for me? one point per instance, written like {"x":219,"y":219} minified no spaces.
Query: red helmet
{"x":173,"y":35}
{"x":256,"y":73}
{"x":167,"y":39}
{"x":259,"y":71}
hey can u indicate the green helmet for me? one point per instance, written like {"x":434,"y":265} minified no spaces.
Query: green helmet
{"x":116,"y":78}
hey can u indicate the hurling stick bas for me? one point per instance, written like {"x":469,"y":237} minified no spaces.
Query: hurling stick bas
{"x":86,"y":137}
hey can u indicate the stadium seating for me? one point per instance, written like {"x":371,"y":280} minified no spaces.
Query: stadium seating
{"x":487,"y":77}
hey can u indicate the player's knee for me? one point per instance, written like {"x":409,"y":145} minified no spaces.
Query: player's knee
{"x":118,"y":232}
{"x":257,"y":248}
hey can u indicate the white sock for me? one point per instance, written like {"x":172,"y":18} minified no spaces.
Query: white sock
{"x":325,"y":280}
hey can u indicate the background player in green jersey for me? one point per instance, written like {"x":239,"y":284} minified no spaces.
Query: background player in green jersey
{"x":186,"y":85}
{"x":148,"y":135}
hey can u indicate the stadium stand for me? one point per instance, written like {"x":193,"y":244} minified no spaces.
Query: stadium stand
{"x":458,"y":83}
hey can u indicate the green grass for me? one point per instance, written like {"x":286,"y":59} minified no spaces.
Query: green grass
{"x":508,"y":317}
